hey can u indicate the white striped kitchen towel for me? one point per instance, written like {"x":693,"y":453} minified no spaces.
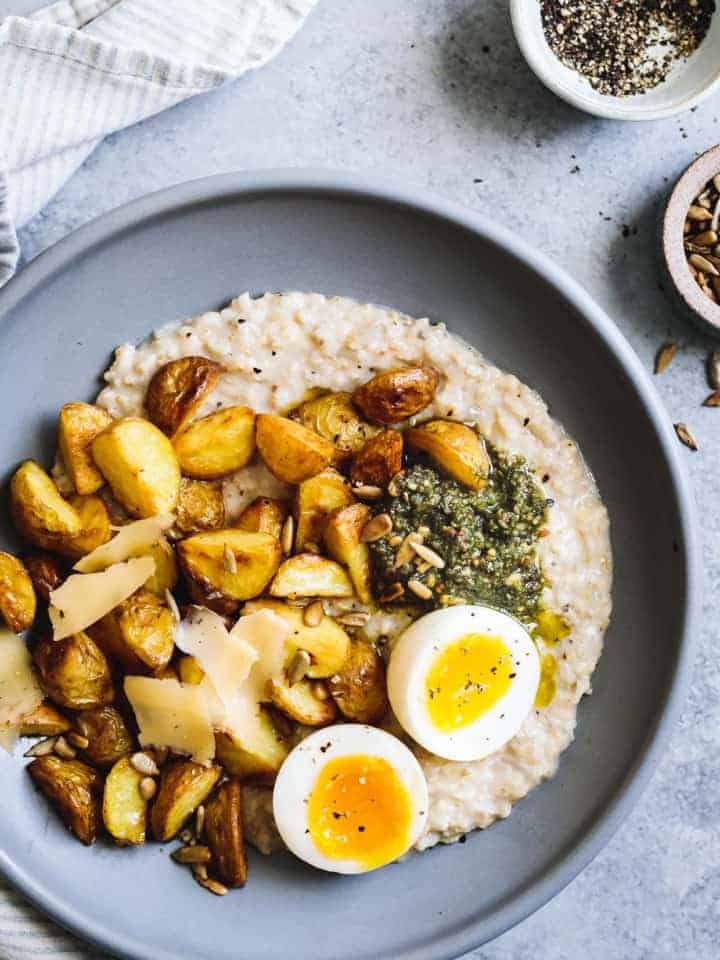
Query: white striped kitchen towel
{"x":78,"y":70}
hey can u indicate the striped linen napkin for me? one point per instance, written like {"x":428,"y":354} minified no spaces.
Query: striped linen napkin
{"x":69,"y":75}
{"x":78,"y":70}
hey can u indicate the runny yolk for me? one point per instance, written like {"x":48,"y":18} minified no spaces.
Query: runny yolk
{"x":466,"y":679}
{"x":360,"y":810}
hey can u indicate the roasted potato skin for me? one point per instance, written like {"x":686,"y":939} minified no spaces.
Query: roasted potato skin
{"x":315,"y":500}
{"x":299,"y":702}
{"x":38,"y":510}
{"x":78,"y":425}
{"x":177,"y":389}
{"x":343,"y":533}
{"x":44,"y":721}
{"x":139,"y":633}
{"x":379,"y":460}
{"x":396,"y":394}
{"x":95,"y":520}
{"x":224,"y":832}
{"x":184,"y":785}
{"x":264,"y":515}
{"x":217,"y":445}
{"x":308,"y":575}
{"x":124,"y":809}
{"x":107,"y":733}
{"x":74,"y":672}
{"x":290,"y":451}
{"x":455,"y":448}
{"x":139,"y":463}
{"x":359,"y":688}
{"x":327,"y":643}
{"x":17,"y":594}
{"x":335,"y":418}
{"x":46,"y":573}
{"x":75,"y":790}
{"x":201,"y":507}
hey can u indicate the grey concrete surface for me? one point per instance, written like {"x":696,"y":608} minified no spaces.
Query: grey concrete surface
{"x":436,"y":92}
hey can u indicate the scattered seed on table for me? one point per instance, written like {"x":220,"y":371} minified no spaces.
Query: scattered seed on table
{"x":685,"y":436}
{"x":665,"y":356}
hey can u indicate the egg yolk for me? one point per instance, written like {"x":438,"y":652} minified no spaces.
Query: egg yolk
{"x":360,"y":810}
{"x":466,"y":679}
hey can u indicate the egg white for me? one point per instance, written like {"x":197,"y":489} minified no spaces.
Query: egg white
{"x":412,"y":659}
{"x":300,"y":771}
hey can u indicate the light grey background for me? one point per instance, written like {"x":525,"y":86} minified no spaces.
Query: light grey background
{"x":435,"y":92}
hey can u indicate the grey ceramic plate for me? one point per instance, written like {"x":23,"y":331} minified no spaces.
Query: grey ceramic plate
{"x":193,"y":247}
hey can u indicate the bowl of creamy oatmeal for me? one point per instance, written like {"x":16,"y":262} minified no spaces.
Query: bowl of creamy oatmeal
{"x":561,"y":428}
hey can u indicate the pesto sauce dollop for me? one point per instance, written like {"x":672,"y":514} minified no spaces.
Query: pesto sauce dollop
{"x":487,"y":538}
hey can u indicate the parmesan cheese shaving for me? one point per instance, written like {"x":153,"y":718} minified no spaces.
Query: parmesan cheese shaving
{"x":130,"y":541}
{"x":173,"y":715}
{"x":85,"y":598}
{"x":20,"y":691}
{"x":267,"y":634}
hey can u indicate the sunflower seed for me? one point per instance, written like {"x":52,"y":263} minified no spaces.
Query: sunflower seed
{"x":214,"y":886}
{"x":42,"y":748}
{"x":287,"y":535}
{"x":354,"y":619}
{"x":393,"y":592}
{"x":320,"y":691}
{"x":367,"y":492}
{"x":63,"y":749}
{"x":199,"y":871}
{"x":406,"y":553}
{"x":377,"y":528}
{"x":148,"y":788}
{"x":685,"y":436}
{"x":229,"y":561}
{"x":434,"y":559}
{"x":200,"y":821}
{"x":665,"y":356}
{"x":313,"y":614}
{"x":144,"y":763}
{"x":713,"y":369}
{"x":419,"y":589}
{"x":713,"y":400}
{"x":78,"y":740}
{"x":706,"y":239}
{"x":698,"y":213}
{"x":298,"y":667}
{"x":193,"y":854}
{"x":703,"y":265}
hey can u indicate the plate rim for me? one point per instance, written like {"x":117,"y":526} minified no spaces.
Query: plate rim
{"x":244,"y":184}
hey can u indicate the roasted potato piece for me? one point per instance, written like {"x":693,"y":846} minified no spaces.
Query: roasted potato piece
{"x":44,"y":721}
{"x":166,"y":568}
{"x":342,"y":539}
{"x":38,"y":510}
{"x":74,"y":672}
{"x":263,"y":515}
{"x":315,"y":500}
{"x":291,"y":452}
{"x":201,"y":507}
{"x":224,"y":567}
{"x":224,"y":832}
{"x":359,"y":688}
{"x":124,"y":809}
{"x":17,"y":594}
{"x":139,"y":463}
{"x":454,"y":447}
{"x":139,"y":633}
{"x":379,"y":460}
{"x":217,"y":445}
{"x":396,"y":394}
{"x":107,"y":735}
{"x":308,"y":575}
{"x":45,"y":572}
{"x":74,"y":789}
{"x":327,"y":643}
{"x":177,"y":389}
{"x":299,"y":702}
{"x":78,"y":425}
{"x":190,"y":670}
{"x":256,"y":762}
{"x":184,"y":785}
{"x":95,"y":521}
{"x":334,"y":417}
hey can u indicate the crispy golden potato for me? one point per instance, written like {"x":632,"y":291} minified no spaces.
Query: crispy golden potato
{"x":359,"y":688}
{"x":396,"y":394}
{"x":224,"y":567}
{"x":44,"y":721}
{"x":107,"y":734}
{"x":308,"y":575}
{"x":263,"y":515}
{"x":45,"y":572}
{"x":78,"y":425}
{"x":299,"y":702}
{"x":342,"y":539}
{"x":74,"y":789}
{"x":454,"y":447}
{"x":95,"y":520}
{"x":177,"y":389}
{"x":334,"y":417}
{"x":327,"y":643}
{"x":124,"y":809}
{"x":184,"y":785}
{"x":17,"y":594}
{"x":38,"y":510}
{"x":315,"y":500}
{"x":139,"y":633}
{"x":291,"y":452}
{"x":74,"y":672}
{"x":190,"y":670}
{"x":258,"y":762}
{"x":217,"y":445}
{"x":166,"y":568}
{"x":224,"y":832}
{"x":139,"y":463}
{"x":201,"y":507}
{"x":379,"y":460}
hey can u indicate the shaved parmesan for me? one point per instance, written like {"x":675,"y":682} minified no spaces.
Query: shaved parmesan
{"x":85,"y":598}
{"x":173,"y":715}
{"x":130,"y":541}
{"x":267,"y":634}
{"x":20,"y":691}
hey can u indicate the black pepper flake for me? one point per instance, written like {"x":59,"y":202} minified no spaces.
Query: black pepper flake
{"x":257,"y":370}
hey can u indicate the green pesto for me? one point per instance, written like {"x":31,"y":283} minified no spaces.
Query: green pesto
{"x":487,"y":538}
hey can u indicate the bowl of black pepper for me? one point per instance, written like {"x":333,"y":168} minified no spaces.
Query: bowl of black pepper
{"x":622,"y":59}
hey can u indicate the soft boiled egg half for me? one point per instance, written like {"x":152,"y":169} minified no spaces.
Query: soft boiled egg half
{"x":462,"y":680}
{"x":350,"y":798}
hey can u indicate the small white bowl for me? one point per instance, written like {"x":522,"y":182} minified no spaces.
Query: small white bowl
{"x":687,"y":84}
